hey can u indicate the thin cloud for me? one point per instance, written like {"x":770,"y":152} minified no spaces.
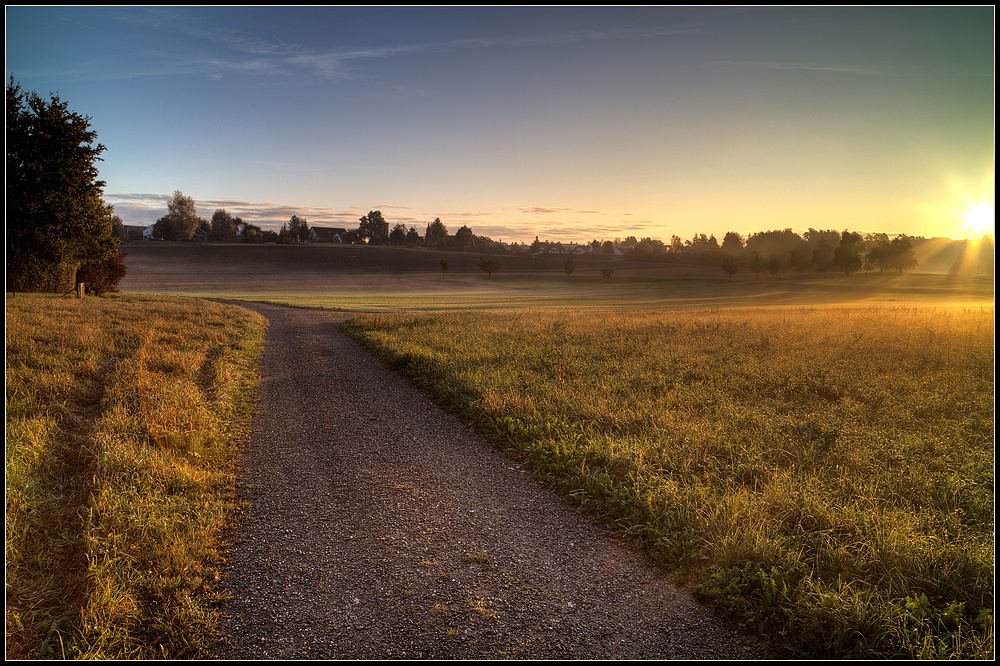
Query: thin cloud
{"x":274,"y":57}
{"x":811,"y":67}
{"x":541,"y":210}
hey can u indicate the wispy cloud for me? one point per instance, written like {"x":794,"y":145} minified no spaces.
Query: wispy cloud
{"x":541,"y":210}
{"x":243,"y":53}
{"x":810,"y":67}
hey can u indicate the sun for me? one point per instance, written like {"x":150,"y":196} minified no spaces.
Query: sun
{"x":980,"y":219}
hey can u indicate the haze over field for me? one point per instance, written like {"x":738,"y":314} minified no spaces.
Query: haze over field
{"x":568,"y":123}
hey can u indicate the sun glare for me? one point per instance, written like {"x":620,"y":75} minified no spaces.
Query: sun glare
{"x":980,"y":220}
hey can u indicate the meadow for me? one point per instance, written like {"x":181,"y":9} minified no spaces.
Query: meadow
{"x":823,"y":475}
{"x":812,"y":454}
{"x":124,"y":415}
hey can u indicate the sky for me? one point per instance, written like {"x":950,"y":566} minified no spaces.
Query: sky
{"x":564,"y":123}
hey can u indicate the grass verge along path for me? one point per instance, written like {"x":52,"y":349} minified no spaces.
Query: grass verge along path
{"x":823,"y":474}
{"x":123,"y":415}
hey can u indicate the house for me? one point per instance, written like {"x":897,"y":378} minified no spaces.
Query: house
{"x":326,"y":234}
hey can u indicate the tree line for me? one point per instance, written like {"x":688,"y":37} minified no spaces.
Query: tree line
{"x":182,"y":223}
{"x":60,"y":231}
{"x":781,"y":250}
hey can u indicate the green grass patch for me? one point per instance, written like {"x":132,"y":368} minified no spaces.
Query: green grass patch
{"x":824,"y":475}
{"x":123,"y":419}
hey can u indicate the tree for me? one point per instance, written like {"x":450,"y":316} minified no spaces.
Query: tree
{"x":901,"y":254}
{"x":732,"y":266}
{"x":412,"y":237}
{"x":757,"y":264}
{"x":773,"y":266}
{"x":56,"y":217}
{"x":374,"y":228}
{"x":398,"y":234}
{"x":298,"y":229}
{"x":444,"y":267}
{"x":847,"y":256}
{"x":435,"y":234}
{"x":118,"y":229}
{"x":490,"y":265}
{"x":181,"y":220}
{"x":569,"y":266}
{"x":732,"y":243}
{"x":251,"y":232}
{"x":463,"y":238}
{"x":223,"y":227}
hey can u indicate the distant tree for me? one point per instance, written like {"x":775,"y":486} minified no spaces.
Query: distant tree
{"x":757,"y":264}
{"x":398,"y":234}
{"x":732,"y":266}
{"x":436,"y":234}
{"x":879,"y":255}
{"x":251,"y":232}
{"x":847,"y":256}
{"x":732,"y":243}
{"x":463,"y":239}
{"x":569,"y":266}
{"x":608,"y":248}
{"x":490,"y":265}
{"x":223,"y":227}
{"x":374,"y":229}
{"x":606,"y":273}
{"x":181,"y":220}
{"x":298,"y":229}
{"x":820,"y":245}
{"x":444,"y":267}
{"x":118,"y":229}
{"x":784,"y":245}
{"x":901,"y":254}
{"x":102,"y":277}
{"x":773,"y":266}
{"x":285,"y":235}
{"x":56,"y":218}
{"x":412,"y":237}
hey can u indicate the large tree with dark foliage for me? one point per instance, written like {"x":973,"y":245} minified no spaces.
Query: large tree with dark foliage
{"x":57,"y":220}
{"x":374,"y":228}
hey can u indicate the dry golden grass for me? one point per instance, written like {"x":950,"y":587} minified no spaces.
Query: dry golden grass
{"x":123,"y":417}
{"x":825,"y":474}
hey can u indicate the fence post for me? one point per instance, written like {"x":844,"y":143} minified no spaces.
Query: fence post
{"x":80,"y":288}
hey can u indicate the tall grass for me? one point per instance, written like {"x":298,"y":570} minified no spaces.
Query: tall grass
{"x":123,"y":417}
{"x":824,"y":475}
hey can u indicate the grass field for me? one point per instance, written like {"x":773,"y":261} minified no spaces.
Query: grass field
{"x":813,"y":452}
{"x":372,"y":279}
{"x":123,"y":416}
{"x":824,"y":475}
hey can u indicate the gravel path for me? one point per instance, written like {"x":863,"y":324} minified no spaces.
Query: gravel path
{"x":377,"y":526}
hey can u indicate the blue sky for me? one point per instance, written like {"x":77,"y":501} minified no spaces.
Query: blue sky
{"x":567,"y":123}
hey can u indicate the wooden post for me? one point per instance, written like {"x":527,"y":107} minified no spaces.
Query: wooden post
{"x":80,"y":288}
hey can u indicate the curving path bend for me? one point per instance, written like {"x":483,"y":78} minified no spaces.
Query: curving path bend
{"x":377,"y":526}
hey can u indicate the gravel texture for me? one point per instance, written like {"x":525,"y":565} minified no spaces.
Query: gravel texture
{"x":377,"y":526}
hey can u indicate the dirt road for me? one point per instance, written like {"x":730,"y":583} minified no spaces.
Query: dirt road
{"x":376,"y":526}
